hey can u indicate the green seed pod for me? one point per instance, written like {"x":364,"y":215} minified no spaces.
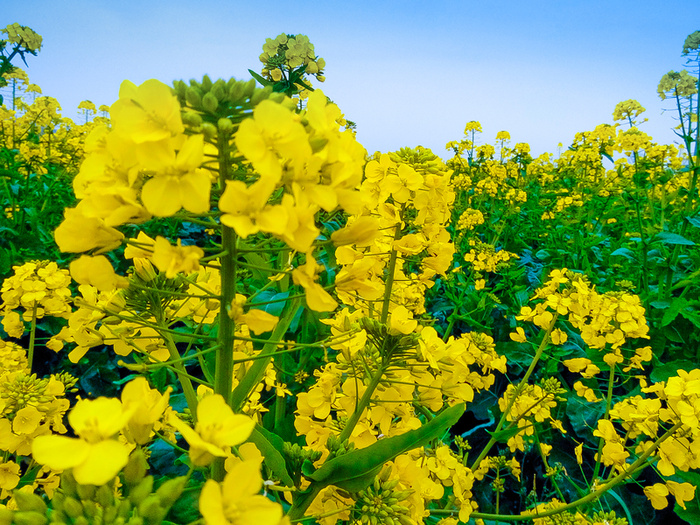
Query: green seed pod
{"x":209,"y":131}
{"x":30,"y":502}
{"x":260,"y":95}
{"x":249,"y":88}
{"x":210,"y":103}
{"x":29,"y":518}
{"x":193,"y":97}
{"x":139,"y":493}
{"x":72,"y":507}
{"x":225,"y":126}
{"x":206,"y":83}
{"x":170,"y":491}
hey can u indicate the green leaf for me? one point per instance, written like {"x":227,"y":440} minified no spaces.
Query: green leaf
{"x":673,"y":238}
{"x":502,"y":436}
{"x":356,"y":469}
{"x":263,"y":81}
{"x":663,"y":372}
{"x":695,"y":221}
{"x":676,"y":306}
{"x":269,"y":445}
{"x":691,"y":315}
{"x":626,"y":253}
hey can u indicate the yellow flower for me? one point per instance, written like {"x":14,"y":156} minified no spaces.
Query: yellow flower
{"x":317,"y":298}
{"x":681,"y":491}
{"x":94,"y":457}
{"x":146,"y":113}
{"x":149,"y":405}
{"x":246,"y":209}
{"x":79,"y":233}
{"x":657,"y":494}
{"x":216,"y":431}
{"x":98,"y":272}
{"x":175,"y":259}
{"x":9,"y":475}
{"x":236,"y":500}
{"x":401,"y":321}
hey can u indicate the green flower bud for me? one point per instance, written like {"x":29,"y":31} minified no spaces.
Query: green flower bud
{"x":86,"y":492}
{"x":219,"y":90}
{"x":81,"y":520}
{"x":249,"y":88}
{"x":260,"y":95}
{"x":139,"y":493}
{"x":151,"y":511}
{"x":72,"y":507}
{"x":193,"y":97}
{"x":225,"y":126}
{"x":277,"y":97}
{"x":30,"y":502}
{"x":68,"y":484}
{"x":105,"y":496}
{"x":124,"y":509}
{"x":192,"y":119}
{"x":209,"y":131}
{"x":6,"y":516}
{"x":206,"y":83}
{"x":29,"y":518}
{"x":90,"y":509}
{"x":135,"y":520}
{"x":210,"y":103}
{"x":235,"y":91}
{"x":180,"y":89}
{"x":170,"y":491}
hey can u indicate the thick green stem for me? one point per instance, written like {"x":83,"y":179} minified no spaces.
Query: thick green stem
{"x":390,"y":276}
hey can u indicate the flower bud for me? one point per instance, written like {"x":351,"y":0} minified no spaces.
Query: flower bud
{"x":235,"y":92}
{"x":249,"y":88}
{"x":105,"y":496}
{"x":6,"y":516}
{"x":209,"y":131}
{"x":170,"y":491}
{"x":192,"y":119}
{"x":225,"y":126}
{"x":219,"y":90}
{"x":260,"y":95}
{"x":30,"y":502}
{"x":29,"y":518}
{"x":180,"y":89}
{"x":206,"y":83}
{"x":141,"y":491}
{"x":151,"y":510}
{"x":86,"y":492}
{"x":193,"y":97}
{"x":209,"y":103}
{"x":72,"y":507}
{"x":144,"y":269}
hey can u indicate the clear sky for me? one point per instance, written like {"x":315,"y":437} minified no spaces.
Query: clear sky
{"x":408,"y":73}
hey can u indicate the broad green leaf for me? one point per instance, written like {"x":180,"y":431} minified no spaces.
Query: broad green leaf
{"x":695,"y":221}
{"x":626,"y":253}
{"x":691,"y":315}
{"x":677,"y":305}
{"x":358,"y":467}
{"x":270,"y":445}
{"x":673,"y":238}
{"x":663,"y":372}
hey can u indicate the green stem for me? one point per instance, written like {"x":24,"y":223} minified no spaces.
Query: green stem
{"x":32,"y":338}
{"x":390,"y":275}
{"x":516,"y":393}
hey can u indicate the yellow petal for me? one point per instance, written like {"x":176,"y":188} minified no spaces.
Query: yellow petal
{"x":104,"y":461}
{"x":59,"y":452}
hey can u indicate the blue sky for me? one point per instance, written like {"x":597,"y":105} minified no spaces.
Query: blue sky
{"x":408,"y":73}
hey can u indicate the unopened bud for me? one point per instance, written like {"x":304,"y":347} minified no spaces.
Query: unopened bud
{"x":141,"y":491}
{"x":209,"y":131}
{"x":6,"y":516}
{"x":29,"y":518}
{"x":170,"y":491}
{"x":225,"y":126}
{"x":235,"y":92}
{"x":136,"y":467}
{"x":193,"y":97}
{"x":72,"y":507}
{"x":192,"y":119}
{"x":219,"y":90}
{"x":30,"y":502}
{"x":206,"y":83}
{"x":144,"y":269}
{"x":210,"y":103}
{"x":260,"y":95}
{"x":105,"y":496}
{"x":151,"y":511}
{"x":86,"y":492}
{"x":249,"y":88}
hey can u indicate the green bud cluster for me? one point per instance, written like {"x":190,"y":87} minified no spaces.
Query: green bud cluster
{"x":24,"y":390}
{"x":214,"y":108}
{"x":421,"y":159}
{"x":392,"y":346}
{"x":380,"y":503}
{"x":295,"y":457}
{"x":75,"y":504}
{"x":338,"y":447}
